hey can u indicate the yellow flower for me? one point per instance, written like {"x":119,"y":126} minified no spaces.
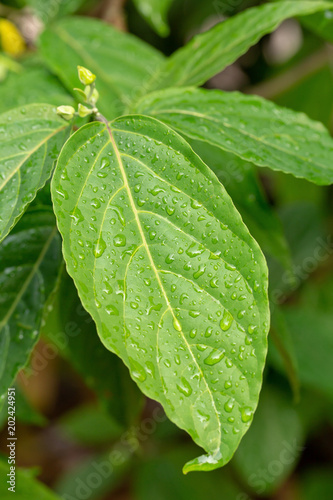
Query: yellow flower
{"x":12,"y":41}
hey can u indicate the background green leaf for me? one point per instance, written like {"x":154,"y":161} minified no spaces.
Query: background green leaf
{"x":311,"y":333}
{"x":160,"y":477}
{"x":32,"y":85}
{"x":276,"y":435}
{"x":209,"y":53}
{"x":250,"y":127}
{"x":29,"y":261}
{"x":26,"y":485}
{"x":122,"y":62}
{"x":155,"y":12}
{"x":31,"y":138}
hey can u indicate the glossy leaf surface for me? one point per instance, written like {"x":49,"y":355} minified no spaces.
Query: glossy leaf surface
{"x":73,"y":333}
{"x":29,"y":262}
{"x":31,"y":139}
{"x":167,"y":269}
{"x":250,"y":127}
{"x":209,"y":53}
{"x":121,"y":61}
{"x":243,"y":185}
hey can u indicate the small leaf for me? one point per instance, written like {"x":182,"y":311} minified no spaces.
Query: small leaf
{"x":155,"y":12}
{"x":121,"y":62}
{"x":165,"y":266}
{"x":29,"y":257}
{"x":30,"y":142}
{"x":26,"y":485}
{"x":209,"y":53}
{"x":251,"y":127}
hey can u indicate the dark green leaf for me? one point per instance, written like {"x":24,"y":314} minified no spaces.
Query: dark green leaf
{"x":311,"y":333}
{"x":110,"y":468}
{"x":90,"y":426}
{"x":32,"y":85}
{"x":155,"y":12}
{"x":209,"y":53}
{"x":317,"y":483}
{"x":271,"y":448}
{"x":31,"y":138}
{"x":310,"y":247}
{"x":29,"y":260}
{"x":161,"y":477}
{"x":255,"y":129}
{"x":281,"y":349}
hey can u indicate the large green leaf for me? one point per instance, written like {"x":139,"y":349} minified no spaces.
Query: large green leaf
{"x":29,"y":261}
{"x":121,"y":61}
{"x":250,"y":127}
{"x":31,"y":139}
{"x":170,"y":274}
{"x":155,"y":12}
{"x":32,"y":85}
{"x":209,"y":53}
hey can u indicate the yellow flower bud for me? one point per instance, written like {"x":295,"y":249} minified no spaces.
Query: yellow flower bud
{"x":12,"y":41}
{"x":86,"y":77}
{"x":66,"y":112}
{"x":84,"y":111}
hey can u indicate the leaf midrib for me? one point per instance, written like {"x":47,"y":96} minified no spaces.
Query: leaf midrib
{"x":144,"y":242}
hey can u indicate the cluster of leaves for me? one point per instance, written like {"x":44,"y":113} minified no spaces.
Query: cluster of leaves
{"x":155,"y":244}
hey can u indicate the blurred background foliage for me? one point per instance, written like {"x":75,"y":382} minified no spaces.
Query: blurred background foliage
{"x":77,"y":409}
